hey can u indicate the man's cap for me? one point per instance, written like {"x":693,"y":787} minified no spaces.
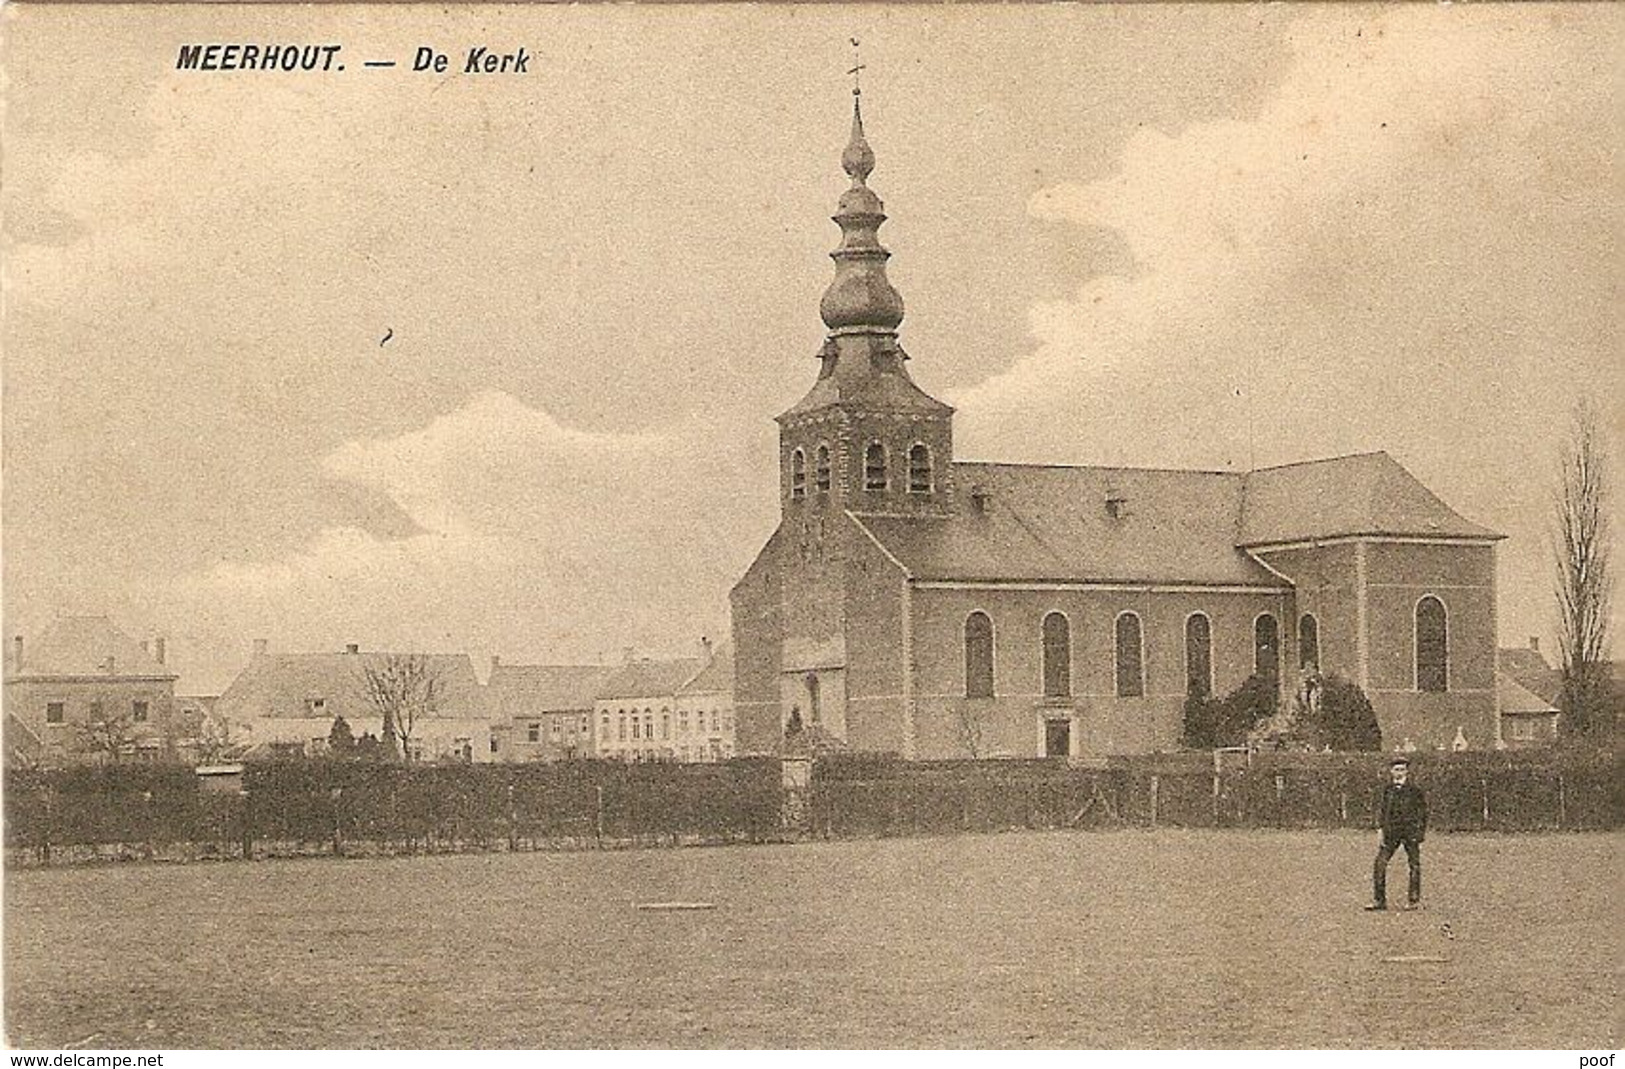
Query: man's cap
{"x":1399,"y":762}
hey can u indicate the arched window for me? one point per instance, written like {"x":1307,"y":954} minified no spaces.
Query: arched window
{"x":1198,"y":656}
{"x":1432,"y":646}
{"x":978,"y":656}
{"x":919,"y":469}
{"x":821,"y":468}
{"x":874,"y":467}
{"x":1130,"y":657}
{"x":798,"y":474}
{"x":1267,"y":647}
{"x":1057,"y":656}
{"x":1308,"y":642}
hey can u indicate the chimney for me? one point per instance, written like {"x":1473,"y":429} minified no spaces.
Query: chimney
{"x":1534,"y":643}
{"x":144,"y":648}
{"x":979,"y":497}
{"x":260,"y":646}
{"x":158,"y":649}
{"x":17,"y":653}
{"x":496,"y":662}
{"x":705,"y":649}
{"x":352,"y":647}
{"x":111,"y":665}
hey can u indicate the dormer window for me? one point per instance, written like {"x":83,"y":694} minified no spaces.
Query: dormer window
{"x":798,"y":474}
{"x":874,"y":467}
{"x":821,"y":469}
{"x":919,"y":469}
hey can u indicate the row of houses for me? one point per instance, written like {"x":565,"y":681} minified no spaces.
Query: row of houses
{"x":86,"y":692}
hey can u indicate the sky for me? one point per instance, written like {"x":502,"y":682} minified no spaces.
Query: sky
{"x":1214,"y":237}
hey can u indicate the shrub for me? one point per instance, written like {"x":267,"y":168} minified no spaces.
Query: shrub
{"x":1211,"y":723}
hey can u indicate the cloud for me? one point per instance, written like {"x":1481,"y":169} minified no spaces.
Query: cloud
{"x":536,"y":539}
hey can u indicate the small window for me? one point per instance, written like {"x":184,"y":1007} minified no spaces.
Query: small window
{"x":55,"y":712}
{"x":621,"y":729}
{"x":138,"y":712}
{"x":317,"y":706}
{"x":1523,"y":729}
{"x":1432,"y":646}
{"x":533,"y":733}
{"x":874,"y":467}
{"x":798,"y":474}
{"x":1057,"y":641}
{"x":665,"y":726}
{"x":1308,"y":643}
{"x":1130,"y":657}
{"x":821,"y":469}
{"x":978,"y":655}
{"x":553,"y":731}
{"x":919,"y":469}
{"x":1198,"y":656}
{"x":96,"y":716}
{"x":1267,"y":647}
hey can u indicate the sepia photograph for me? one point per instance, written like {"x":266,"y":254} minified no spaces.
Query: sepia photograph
{"x":812,"y":527}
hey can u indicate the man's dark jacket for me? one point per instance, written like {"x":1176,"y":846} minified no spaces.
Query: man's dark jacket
{"x":1404,"y":813}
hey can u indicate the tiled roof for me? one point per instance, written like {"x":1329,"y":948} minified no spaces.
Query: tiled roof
{"x":1138,"y":525}
{"x":649,"y":678}
{"x":884,"y":392}
{"x":1517,"y":700}
{"x":1529,"y":669}
{"x":717,"y":677}
{"x":1364,"y":494}
{"x":81,"y":646}
{"x":531,"y":689}
{"x":1054,"y":524}
{"x":282,"y":685}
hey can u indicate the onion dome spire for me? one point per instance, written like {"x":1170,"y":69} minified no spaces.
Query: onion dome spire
{"x":860,"y":300}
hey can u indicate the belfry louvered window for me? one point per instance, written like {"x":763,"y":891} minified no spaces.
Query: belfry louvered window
{"x":919,"y":469}
{"x":874,"y":467}
{"x":821,"y":469}
{"x":798,"y":474}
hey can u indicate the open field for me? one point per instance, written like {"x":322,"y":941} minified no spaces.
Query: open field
{"x":1069,"y":939}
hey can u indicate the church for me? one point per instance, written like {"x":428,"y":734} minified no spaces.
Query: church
{"x":913,"y":603}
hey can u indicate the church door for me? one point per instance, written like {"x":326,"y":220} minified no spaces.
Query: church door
{"x":1057,"y":738}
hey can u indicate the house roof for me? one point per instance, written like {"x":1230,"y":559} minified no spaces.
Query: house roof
{"x":82,"y":646}
{"x":714,"y":677}
{"x":281,"y":685}
{"x":1363,"y":494}
{"x":1044,"y":523}
{"x":649,"y":678}
{"x":1051,"y":523}
{"x":1529,"y":670}
{"x":1517,"y":700}
{"x":532,"y":689}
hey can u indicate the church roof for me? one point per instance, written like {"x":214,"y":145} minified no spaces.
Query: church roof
{"x":1054,"y":524}
{"x":885,"y":392}
{"x":1363,"y":494}
{"x":1138,"y":525}
{"x":88,"y":646}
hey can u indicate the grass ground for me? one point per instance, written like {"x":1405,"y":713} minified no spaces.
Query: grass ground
{"x":1068,"y":939}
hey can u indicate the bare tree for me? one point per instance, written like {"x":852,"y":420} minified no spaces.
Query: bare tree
{"x":1585,"y":586}
{"x":216,"y":742}
{"x":404,"y":688}
{"x":109,"y":737}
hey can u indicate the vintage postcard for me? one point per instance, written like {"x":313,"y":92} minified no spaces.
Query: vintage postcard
{"x":1100,"y":514}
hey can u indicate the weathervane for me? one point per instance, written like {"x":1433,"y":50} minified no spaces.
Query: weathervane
{"x":857,"y":69}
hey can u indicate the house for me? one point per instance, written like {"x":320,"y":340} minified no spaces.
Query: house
{"x":1527,"y":719}
{"x":1527,"y":666}
{"x":678,"y":709}
{"x":913,"y":603}
{"x":543,"y":712}
{"x":85,"y":692}
{"x":287,"y":702}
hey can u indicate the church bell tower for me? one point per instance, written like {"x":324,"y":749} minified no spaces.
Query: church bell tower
{"x":865,"y":438}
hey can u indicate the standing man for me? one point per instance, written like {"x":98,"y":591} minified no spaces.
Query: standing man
{"x":1403,"y":818}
